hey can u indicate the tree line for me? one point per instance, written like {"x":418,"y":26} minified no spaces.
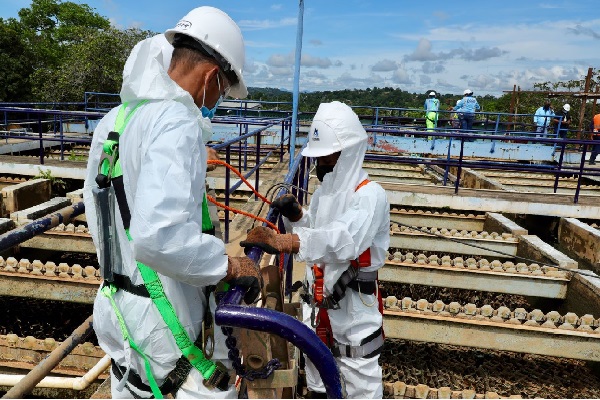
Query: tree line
{"x":57,"y":50}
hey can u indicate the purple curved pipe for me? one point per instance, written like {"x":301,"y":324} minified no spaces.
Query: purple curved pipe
{"x":265,"y":320}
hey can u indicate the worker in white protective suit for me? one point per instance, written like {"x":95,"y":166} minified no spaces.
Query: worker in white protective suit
{"x":148,"y":314}
{"x":343,"y":238}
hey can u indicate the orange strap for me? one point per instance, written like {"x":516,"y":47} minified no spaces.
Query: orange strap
{"x":363,"y":183}
{"x":323,"y":329}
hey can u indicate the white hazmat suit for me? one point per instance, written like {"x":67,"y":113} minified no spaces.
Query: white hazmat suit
{"x":163,"y":159}
{"x":340,"y":224}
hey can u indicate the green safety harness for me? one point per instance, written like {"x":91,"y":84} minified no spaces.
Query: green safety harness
{"x":215,"y":374}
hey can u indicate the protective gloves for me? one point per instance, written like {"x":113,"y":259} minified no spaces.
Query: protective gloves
{"x":270,"y":241}
{"x":242,"y":271}
{"x":288,"y":206}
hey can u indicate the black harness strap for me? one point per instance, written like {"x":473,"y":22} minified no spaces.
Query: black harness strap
{"x":172,"y":382}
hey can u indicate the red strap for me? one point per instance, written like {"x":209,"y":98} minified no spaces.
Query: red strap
{"x":363,"y":260}
{"x":318,"y":284}
{"x":323,"y":329}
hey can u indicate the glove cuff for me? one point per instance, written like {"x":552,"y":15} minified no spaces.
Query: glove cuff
{"x":288,"y":243}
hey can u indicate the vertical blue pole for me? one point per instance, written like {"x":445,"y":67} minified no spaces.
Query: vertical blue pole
{"x":296,"y":81}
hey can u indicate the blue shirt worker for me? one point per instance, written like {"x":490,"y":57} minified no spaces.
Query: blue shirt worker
{"x":432,"y":105}
{"x":542,"y":118}
{"x":467,"y":107}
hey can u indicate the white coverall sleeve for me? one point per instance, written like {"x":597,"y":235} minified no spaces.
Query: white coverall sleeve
{"x":302,"y":222}
{"x":166,"y":225}
{"x":346,"y":237}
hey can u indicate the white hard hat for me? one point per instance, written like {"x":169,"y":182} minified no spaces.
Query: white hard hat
{"x":567,"y":107}
{"x":467,"y":91}
{"x":334,"y":128}
{"x":432,"y":93}
{"x":219,"y":34}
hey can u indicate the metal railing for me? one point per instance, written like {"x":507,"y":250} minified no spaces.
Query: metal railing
{"x":559,"y":169}
{"x":243,"y":150}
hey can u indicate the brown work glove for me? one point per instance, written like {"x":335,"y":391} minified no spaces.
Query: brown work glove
{"x":242,"y":271}
{"x":288,"y":206}
{"x":270,"y":241}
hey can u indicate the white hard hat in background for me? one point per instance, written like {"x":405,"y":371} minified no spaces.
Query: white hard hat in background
{"x":432,"y":93}
{"x":334,"y":128}
{"x":567,"y":107}
{"x":467,"y":91}
{"x":215,"y":29}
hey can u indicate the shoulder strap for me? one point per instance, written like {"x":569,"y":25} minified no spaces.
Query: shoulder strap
{"x":363,"y":183}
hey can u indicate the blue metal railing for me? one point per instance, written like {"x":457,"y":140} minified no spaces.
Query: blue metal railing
{"x":560,"y":169}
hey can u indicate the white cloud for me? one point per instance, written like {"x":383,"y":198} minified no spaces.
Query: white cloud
{"x":433,"y":67}
{"x":400,"y":76}
{"x":581,"y":30}
{"x":308,"y":61}
{"x":423,"y":53}
{"x":385,"y":66}
{"x":255,"y":24}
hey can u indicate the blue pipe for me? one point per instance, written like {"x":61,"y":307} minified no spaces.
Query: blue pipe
{"x":26,"y":232}
{"x":290,"y":329}
{"x":296,"y":93}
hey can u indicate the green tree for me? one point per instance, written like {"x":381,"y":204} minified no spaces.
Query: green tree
{"x":15,"y":62}
{"x":50,"y":26}
{"x":93,"y":65}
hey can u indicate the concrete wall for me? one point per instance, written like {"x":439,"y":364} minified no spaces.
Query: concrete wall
{"x":583,"y":296}
{"x":474,"y":180}
{"x":27,"y":194}
{"x":531,"y":246}
{"x":495,"y":222}
{"x":580,"y":240}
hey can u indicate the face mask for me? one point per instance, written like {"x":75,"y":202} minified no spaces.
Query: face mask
{"x":206,"y":113}
{"x":210,"y":113}
{"x":323,"y":170}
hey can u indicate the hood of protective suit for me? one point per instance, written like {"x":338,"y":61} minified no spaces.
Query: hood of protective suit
{"x":338,"y":120}
{"x":145,"y":77}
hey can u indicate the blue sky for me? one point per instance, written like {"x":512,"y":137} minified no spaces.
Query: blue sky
{"x":487,"y":46}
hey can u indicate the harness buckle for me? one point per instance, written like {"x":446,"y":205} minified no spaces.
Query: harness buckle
{"x":219,"y":378}
{"x":330,"y":303}
{"x":314,"y":322}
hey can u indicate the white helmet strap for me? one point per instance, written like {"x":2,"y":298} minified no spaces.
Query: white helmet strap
{"x":181,"y":40}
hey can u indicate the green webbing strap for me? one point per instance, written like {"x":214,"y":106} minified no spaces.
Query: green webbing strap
{"x":207,"y":224}
{"x":110,"y":144}
{"x":108,"y":291}
{"x":167,"y":312}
